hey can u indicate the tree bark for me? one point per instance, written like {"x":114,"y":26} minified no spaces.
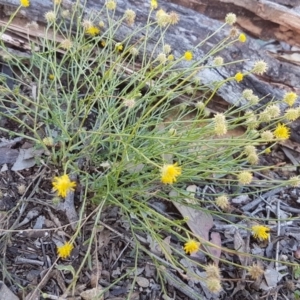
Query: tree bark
{"x":278,"y":19}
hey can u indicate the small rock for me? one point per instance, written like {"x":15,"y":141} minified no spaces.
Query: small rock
{"x":142,"y":282}
{"x":92,"y":294}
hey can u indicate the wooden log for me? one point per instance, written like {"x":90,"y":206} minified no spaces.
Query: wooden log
{"x":194,"y":27}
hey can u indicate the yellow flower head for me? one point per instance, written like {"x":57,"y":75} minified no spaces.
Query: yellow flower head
{"x":295,"y":181}
{"x":242,"y":38}
{"x":290,"y":98}
{"x":260,"y":232}
{"x":292,"y":114}
{"x":212,"y":270}
{"x":188,"y":55}
{"x":255,"y":271}
{"x":63,"y":185}
{"x":51,"y":76}
{"x":169,"y":173}
{"x":65,"y":250}
{"x":260,"y":67}
{"x":119,"y":47}
{"x":213,"y":284}
{"x":245,"y":177}
{"x":111,"y":4}
{"x":191,"y":246}
{"x":24,"y":3}
{"x":238,"y":76}
{"x":153,"y":4}
{"x":92,"y":30}
{"x":282,"y":132}
{"x":222,"y":201}
{"x":174,"y":18}
{"x":50,"y":16}
{"x":230,"y":18}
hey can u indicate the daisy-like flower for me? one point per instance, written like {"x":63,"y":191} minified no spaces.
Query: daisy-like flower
{"x":66,"y":44}
{"x":48,"y":141}
{"x":162,"y":58}
{"x":222,"y":201}
{"x":129,"y":16}
{"x":50,"y":16}
{"x":245,"y":177}
{"x":174,"y":18}
{"x":24,"y":3}
{"x":167,"y":49}
{"x":162,"y":18}
{"x":153,"y":4}
{"x":171,"y":57}
{"x":242,"y":38}
{"x":253,"y":159}
{"x":291,"y":114}
{"x":63,"y":185}
{"x":169,"y":173}
{"x":253,"y":100}
{"x":295,"y":181}
{"x":134,"y":51}
{"x":213,"y":284}
{"x":267,"y":135}
{"x":255,"y":271}
{"x":119,"y":47}
{"x":191,"y":246}
{"x":65,"y":250}
{"x":65,"y":14}
{"x":92,"y":30}
{"x":238,"y":76}
{"x":230,"y":18}
{"x":111,"y":5}
{"x":273,"y":110}
{"x":212,"y":270}
{"x":260,"y":67}
{"x":282,"y":132}
{"x":188,"y":55}
{"x":290,"y":98}
{"x":247,"y":93}
{"x":260,"y":232}
{"x":218,"y":61}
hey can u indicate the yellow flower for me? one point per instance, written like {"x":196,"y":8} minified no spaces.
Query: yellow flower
{"x":25,"y":3}
{"x":119,"y":46}
{"x":188,"y":55}
{"x":169,"y":173}
{"x":238,"y":76}
{"x":222,"y":201}
{"x":242,"y":38}
{"x":290,"y":98}
{"x":111,"y":5}
{"x":171,"y":57}
{"x":153,"y":4}
{"x":282,"y":132}
{"x":51,"y":76}
{"x":260,"y":232}
{"x":65,"y":250}
{"x":295,"y":181}
{"x":63,"y":185}
{"x":92,"y":30}
{"x":268,"y":150}
{"x":245,"y":177}
{"x":191,"y":246}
